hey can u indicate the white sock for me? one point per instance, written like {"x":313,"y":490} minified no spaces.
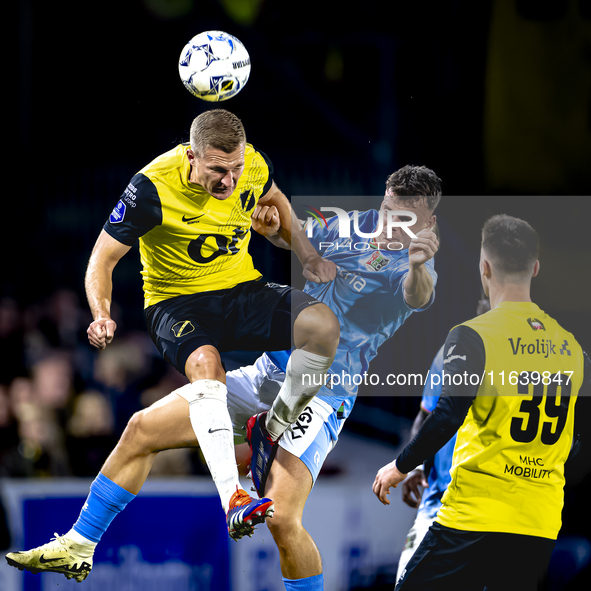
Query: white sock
{"x":304,"y":376}
{"x":85,"y":547}
{"x":210,"y":419}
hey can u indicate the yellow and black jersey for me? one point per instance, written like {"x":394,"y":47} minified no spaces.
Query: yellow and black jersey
{"x":189,"y":241}
{"x":511,"y":380}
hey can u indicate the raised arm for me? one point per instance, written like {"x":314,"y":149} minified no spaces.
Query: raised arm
{"x":99,"y":287}
{"x":316,"y":268}
{"x":266,"y":222}
{"x":418,"y":285}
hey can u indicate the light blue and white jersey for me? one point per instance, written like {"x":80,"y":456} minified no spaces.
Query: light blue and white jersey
{"x":368,"y":298}
{"x":439,"y":476}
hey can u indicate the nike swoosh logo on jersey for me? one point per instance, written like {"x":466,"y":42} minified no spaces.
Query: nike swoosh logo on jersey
{"x":192,"y":219}
{"x":214,"y":430}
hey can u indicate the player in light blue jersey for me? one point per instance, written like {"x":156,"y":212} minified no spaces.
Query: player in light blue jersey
{"x":366,"y":274}
{"x":380,"y":282}
{"x":437,"y":469}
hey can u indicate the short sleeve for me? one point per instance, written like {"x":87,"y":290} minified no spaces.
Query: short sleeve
{"x":136,"y":213}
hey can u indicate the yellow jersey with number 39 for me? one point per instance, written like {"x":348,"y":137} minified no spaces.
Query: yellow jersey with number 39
{"x":189,"y":241}
{"x":508,"y":463}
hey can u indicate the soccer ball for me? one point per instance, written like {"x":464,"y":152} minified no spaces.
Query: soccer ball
{"x":214,"y":66}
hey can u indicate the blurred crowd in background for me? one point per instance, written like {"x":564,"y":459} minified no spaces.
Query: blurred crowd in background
{"x":62,"y":405}
{"x":493,"y":95}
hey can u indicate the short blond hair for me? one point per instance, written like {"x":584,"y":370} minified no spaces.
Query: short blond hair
{"x":216,"y":128}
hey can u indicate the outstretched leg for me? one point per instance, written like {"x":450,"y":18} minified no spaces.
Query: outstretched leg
{"x":164,"y":425}
{"x":211,"y":422}
{"x":210,"y":419}
{"x":289,"y":484}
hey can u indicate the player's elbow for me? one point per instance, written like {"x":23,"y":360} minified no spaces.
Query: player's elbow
{"x":417,"y":301}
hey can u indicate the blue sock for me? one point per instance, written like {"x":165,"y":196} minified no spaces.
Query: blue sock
{"x":315,"y":583}
{"x":105,"y":501}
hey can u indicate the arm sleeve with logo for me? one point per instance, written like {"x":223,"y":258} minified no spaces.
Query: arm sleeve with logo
{"x":137,"y":212}
{"x":463,"y":354}
{"x":578,"y":464}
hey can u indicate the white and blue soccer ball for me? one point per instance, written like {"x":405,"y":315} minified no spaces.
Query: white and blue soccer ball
{"x":214,"y":66}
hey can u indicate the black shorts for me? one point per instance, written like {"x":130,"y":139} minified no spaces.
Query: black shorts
{"x":470,"y":561}
{"x":252,"y":316}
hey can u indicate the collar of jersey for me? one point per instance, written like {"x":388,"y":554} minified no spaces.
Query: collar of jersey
{"x":517,"y":306}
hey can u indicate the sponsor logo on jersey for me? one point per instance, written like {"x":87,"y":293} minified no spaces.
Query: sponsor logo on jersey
{"x":543,"y":347}
{"x":564,"y":349}
{"x":451,"y":357}
{"x":527,"y":471}
{"x":535,"y":324}
{"x":118,"y":213}
{"x":192,"y":219}
{"x":130,"y":195}
{"x":377,"y":261}
{"x":182,"y":328}
{"x":355,"y":281}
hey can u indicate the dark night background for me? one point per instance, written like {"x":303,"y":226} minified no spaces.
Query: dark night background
{"x":495,"y":96}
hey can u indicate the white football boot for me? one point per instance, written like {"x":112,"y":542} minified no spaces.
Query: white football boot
{"x":60,"y":555}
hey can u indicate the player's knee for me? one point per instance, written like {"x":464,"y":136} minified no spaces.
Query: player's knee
{"x":205,"y":363}
{"x":283,"y":526}
{"x":136,"y":436}
{"x":318,"y":325}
